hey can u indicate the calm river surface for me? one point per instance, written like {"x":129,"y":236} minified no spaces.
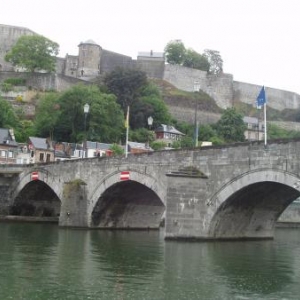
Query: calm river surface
{"x":39,"y":261}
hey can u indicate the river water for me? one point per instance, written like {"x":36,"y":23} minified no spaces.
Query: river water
{"x":41,"y":261}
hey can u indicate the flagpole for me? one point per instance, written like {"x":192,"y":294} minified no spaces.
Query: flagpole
{"x":262,"y":101}
{"x":127,"y":132}
{"x":265,"y":120}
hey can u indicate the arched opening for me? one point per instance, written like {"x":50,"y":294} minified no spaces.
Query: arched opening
{"x":252,"y":211}
{"x":36,"y":199}
{"x":128,"y":204}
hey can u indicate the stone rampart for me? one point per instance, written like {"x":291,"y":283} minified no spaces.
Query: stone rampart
{"x":277,"y":99}
{"x":223,"y":89}
{"x":44,"y":81}
{"x":8,"y":37}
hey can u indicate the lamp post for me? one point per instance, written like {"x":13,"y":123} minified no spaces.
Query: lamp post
{"x":150,"y":122}
{"x":86,"y":110}
{"x":196,"y":89}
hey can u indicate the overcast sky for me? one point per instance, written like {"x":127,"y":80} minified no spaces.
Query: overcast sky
{"x":257,"y":39}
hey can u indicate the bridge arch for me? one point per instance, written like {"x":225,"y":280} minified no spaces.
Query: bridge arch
{"x":44,"y":175}
{"x":249,"y":205}
{"x":39,"y":197}
{"x":135,"y":203}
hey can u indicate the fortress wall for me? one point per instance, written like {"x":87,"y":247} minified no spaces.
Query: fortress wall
{"x":218,"y":87}
{"x":153,"y":68}
{"x":110,"y":60}
{"x":184,"y":78}
{"x":277,"y":99}
{"x":60,"y":65}
{"x":222,"y":88}
{"x":187,"y":114}
{"x":8,"y":37}
{"x":44,"y":81}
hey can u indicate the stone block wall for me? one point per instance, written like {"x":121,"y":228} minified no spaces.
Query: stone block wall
{"x":74,"y":205}
{"x":291,"y":214}
{"x":8,"y":37}
{"x":186,"y":209}
{"x":277,"y":99}
{"x":110,"y":60}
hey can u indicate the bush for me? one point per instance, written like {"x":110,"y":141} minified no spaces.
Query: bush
{"x":158,"y":145}
{"x":15,"y":81}
{"x":6,"y":87}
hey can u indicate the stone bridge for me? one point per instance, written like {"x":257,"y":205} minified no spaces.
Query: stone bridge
{"x":233,"y":192}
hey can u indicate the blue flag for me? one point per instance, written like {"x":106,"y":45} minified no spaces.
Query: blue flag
{"x":261,"y":98}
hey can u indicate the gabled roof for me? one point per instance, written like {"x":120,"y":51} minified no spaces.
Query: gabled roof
{"x":39,"y":143}
{"x":151,"y":54}
{"x":6,"y":138}
{"x":250,"y":120}
{"x":97,"y":145}
{"x":168,"y":129}
{"x":136,"y":145}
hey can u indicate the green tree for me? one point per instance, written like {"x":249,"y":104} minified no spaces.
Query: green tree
{"x":215,"y":61}
{"x":33,"y":53}
{"x":187,"y":142}
{"x":47,"y":115}
{"x":195,"y":60}
{"x":24,"y":130}
{"x":157,"y":108}
{"x":8,"y":118}
{"x":231,"y":126}
{"x":276,"y":132}
{"x":104,"y":122}
{"x":141,"y":135}
{"x":206,"y":132}
{"x":106,"y":119}
{"x":126,"y":85}
{"x":175,"y":52}
{"x":116,"y":149}
{"x":158,"y":145}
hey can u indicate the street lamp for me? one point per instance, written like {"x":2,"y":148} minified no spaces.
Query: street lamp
{"x":86,"y":110}
{"x":196,"y":89}
{"x":150,"y":122}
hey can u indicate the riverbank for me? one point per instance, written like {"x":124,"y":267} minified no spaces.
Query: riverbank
{"x":29,"y":219}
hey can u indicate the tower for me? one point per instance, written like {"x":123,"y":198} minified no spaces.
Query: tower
{"x":89,"y":59}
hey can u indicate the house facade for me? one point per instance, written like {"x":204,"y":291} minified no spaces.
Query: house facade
{"x":168,"y":134}
{"x":8,"y":147}
{"x":254,"y":130}
{"x":41,"y":150}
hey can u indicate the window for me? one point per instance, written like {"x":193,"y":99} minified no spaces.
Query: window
{"x":3,"y":153}
{"x":41,"y":156}
{"x":48,"y":157}
{"x":10,"y":154}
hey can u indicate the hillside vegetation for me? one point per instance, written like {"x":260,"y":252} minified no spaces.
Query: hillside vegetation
{"x":175,"y":97}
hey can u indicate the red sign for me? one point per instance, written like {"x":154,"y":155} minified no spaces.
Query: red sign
{"x":34,"y":175}
{"x":125,"y":175}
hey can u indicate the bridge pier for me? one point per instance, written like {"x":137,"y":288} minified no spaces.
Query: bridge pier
{"x":187,"y":214}
{"x":74,"y":205}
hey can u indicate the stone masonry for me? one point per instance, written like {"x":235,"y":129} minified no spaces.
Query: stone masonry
{"x":233,"y":192}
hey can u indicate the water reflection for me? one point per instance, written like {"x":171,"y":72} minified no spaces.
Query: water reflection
{"x":44,"y":262}
{"x":130,"y":261}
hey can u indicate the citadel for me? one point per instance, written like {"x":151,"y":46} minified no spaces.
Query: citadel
{"x":93,"y":61}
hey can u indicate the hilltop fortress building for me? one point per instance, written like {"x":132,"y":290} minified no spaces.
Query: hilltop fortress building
{"x":93,"y":61}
